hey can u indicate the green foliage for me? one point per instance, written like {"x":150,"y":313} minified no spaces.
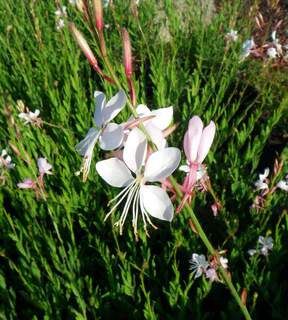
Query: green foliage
{"x":58,"y":258}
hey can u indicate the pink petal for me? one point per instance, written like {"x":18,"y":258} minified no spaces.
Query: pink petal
{"x":206,"y":141}
{"x":193,"y":137}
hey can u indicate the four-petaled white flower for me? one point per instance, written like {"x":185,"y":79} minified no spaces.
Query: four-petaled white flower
{"x":6,"y":161}
{"x":133,"y":174}
{"x":261,"y":184}
{"x":199,"y":264}
{"x":265,"y":245}
{"x":30,"y":117}
{"x":44,"y":167}
{"x":110,"y":135}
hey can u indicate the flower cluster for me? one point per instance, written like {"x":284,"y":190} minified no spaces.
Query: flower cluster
{"x":138,"y":162}
{"x":44,"y":167}
{"x":199,"y":265}
{"x":264,"y":246}
{"x":268,"y":186}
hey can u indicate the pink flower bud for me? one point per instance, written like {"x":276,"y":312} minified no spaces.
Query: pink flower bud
{"x":127,"y":55}
{"x":83,"y":45}
{"x":98,"y":12}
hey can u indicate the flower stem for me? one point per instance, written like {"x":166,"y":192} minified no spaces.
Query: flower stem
{"x":212,"y":251}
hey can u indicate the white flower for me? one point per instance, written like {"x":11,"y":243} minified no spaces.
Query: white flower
{"x":211,"y":274}
{"x":261,"y":184}
{"x":224,"y":262}
{"x":26,"y":184}
{"x":155,"y":127}
{"x":272,"y":53}
{"x":44,"y":166}
{"x":199,"y":264}
{"x":61,"y":12}
{"x":6,"y":161}
{"x":252,"y":252}
{"x":276,"y":43}
{"x":30,"y":117}
{"x":283,"y":184}
{"x":60,"y":24}
{"x":247,"y":46}
{"x":132,"y":174}
{"x":232,"y":35}
{"x":110,"y":135}
{"x":265,"y":244}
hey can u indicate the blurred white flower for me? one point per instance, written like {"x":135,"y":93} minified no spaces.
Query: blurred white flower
{"x":224,"y":262}
{"x":261,"y":184}
{"x":247,"y":46}
{"x":30,"y":117}
{"x":211,"y":274}
{"x":73,"y":2}
{"x":283,"y":184}
{"x":272,"y":53}
{"x":27,"y":184}
{"x":60,"y":24}
{"x":265,"y":244}
{"x":44,"y":167}
{"x":61,"y":12}
{"x":276,"y":43}
{"x":6,"y":161}
{"x":232,"y":35}
{"x":199,"y":264}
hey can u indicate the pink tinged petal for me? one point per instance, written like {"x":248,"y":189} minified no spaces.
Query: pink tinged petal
{"x":156,"y":202}
{"x":44,"y":166}
{"x":164,"y":117}
{"x":206,"y":141}
{"x":100,"y":101}
{"x":111,"y":137}
{"x":114,"y":106}
{"x":26,"y":184}
{"x":86,"y":146}
{"x":114,"y":172}
{"x":156,"y":135}
{"x":192,"y":138}
{"x":135,"y":150}
{"x":161,"y":164}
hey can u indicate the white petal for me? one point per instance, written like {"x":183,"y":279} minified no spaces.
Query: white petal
{"x":264,"y":175}
{"x":87,"y":144}
{"x":163,"y":117}
{"x":143,"y":110}
{"x":114,"y":172}
{"x":114,"y":106}
{"x":135,"y":150}
{"x":111,"y":137}
{"x":100,"y":101}
{"x":156,"y":202}
{"x":156,"y":135}
{"x":161,"y":164}
{"x":184,"y":168}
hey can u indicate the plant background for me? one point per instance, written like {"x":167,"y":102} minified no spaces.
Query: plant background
{"x":58,"y":259}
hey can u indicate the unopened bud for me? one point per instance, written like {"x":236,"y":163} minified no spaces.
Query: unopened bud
{"x":98,"y":12}
{"x":127,"y":54}
{"x":244,"y":296}
{"x":83,"y":45}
